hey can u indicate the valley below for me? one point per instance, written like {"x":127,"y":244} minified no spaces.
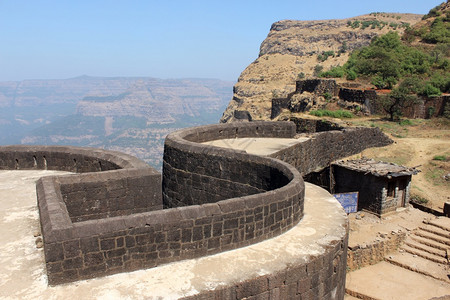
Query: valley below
{"x":131,"y":115}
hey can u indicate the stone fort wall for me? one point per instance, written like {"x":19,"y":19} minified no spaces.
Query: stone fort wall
{"x":426,"y":107}
{"x":324,"y":147}
{"x":81,"y":244}
{"x":215,"y":200}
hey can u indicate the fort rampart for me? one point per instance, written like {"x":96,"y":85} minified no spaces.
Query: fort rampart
{"x":325,"y":147}
{"x":108,"y":218}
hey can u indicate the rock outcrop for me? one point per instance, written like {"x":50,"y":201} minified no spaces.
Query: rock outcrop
{"x":293,"y":48}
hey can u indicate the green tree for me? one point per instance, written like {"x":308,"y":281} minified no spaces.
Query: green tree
{"x":432,"y":13}
{"x":396,"y":101}
{"x":412,"y":85}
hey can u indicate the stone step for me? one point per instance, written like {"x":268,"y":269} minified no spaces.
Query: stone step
{"x":429,"y":242}
{"x":423,"y":247}
{"x":425,"y":255}
{"x":436,"y":230}
{"x":432,"y":236}
{"x":419,"y":265}
{"x":441,"y":222}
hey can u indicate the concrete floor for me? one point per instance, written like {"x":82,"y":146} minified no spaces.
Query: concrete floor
{"x":257,"y":146}
{"x":22,"y":268}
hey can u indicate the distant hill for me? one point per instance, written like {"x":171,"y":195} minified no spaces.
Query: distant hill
{"x":132,"y":115}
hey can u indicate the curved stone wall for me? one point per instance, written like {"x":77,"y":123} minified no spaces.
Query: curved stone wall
{"x":121,"y":235}
{"x":195,"y":173}
{"x":65,"y":158}
{"x":327,"y":146}
{"x":216,"y":199}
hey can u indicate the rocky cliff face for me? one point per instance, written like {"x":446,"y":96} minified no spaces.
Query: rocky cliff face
{"x":293,"y":47}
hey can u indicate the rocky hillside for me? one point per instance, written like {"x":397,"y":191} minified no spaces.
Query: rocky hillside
{"x":297,"y":49}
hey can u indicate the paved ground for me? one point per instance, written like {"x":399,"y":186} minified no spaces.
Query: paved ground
{"x":257,"y":146}
{"x":22,"y":268}
{"x":386,"y":281}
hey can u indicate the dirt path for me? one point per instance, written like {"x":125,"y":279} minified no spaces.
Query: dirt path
{"x":424,"y":151}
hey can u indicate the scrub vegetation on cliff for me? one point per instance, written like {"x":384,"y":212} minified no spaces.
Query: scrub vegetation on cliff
{"x":415,"y":64}
{"x":388,"y":60}
{"x":417,"y":61}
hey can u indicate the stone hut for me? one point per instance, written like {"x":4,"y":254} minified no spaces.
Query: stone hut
{"x":382,"y":187}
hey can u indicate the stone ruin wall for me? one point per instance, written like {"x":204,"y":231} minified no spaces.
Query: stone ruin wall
{"x":427,"y":107}
{"x":317,"y":86}
{"x":369,"y":254}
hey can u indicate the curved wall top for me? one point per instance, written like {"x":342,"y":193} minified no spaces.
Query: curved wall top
{"x":66,"y":158}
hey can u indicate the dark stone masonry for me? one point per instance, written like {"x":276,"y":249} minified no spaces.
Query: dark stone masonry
{"x":117,"y":214}
{"x":348,"y":93}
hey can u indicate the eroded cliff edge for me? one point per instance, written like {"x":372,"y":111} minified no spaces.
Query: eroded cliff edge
{"x":293,"y":47}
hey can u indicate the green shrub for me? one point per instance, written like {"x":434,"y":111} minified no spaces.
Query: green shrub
{"x":430,"y":112}
{"x":434,"y":12}
{"x":351,"y":75}
{"x":301,"y":75}
{"x":317,"y":70}
{"x":406,"y":122}
{"x":336,"y":72}
{"x":412,"y":84}
{"x":341,"y":114}
{"x":384,"y":83}
{"x":387,"y":60}
{"x":440,"y":157}
{"x":430,"y":90}
{"x":344,"y":47}
{"x":327,"y":96}
{"x":447,"y":110}
{"x":324,"y":56}
{"x":440,"y":82}
{"x":355,"y":24}
{"x":439,"y":32}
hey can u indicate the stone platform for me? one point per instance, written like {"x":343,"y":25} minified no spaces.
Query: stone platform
{"x":295,"y":262}
{"x":257,"y":146}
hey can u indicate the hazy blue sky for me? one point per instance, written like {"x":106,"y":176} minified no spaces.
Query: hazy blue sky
{"x":166,"y":39}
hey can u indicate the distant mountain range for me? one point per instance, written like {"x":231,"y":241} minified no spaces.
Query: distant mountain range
{"x":129,"y":114}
